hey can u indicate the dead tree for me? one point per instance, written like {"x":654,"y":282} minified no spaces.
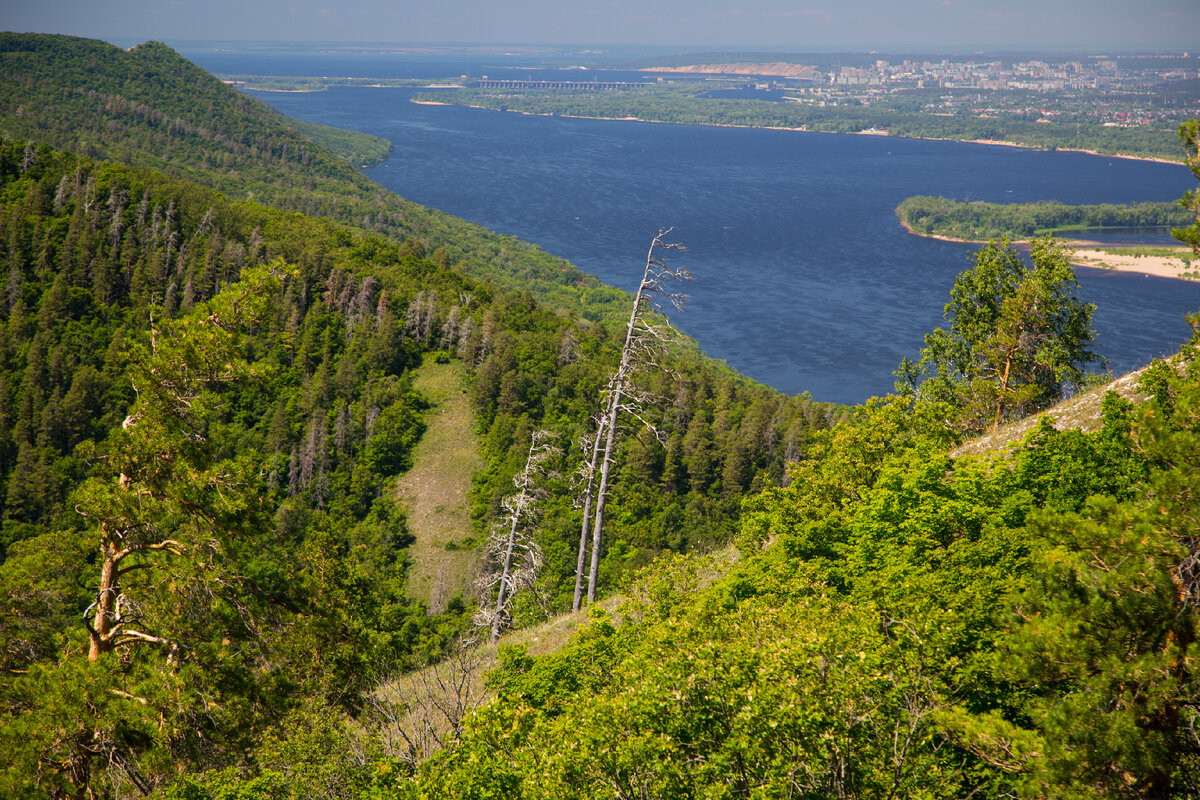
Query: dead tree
{"x":594,"y":444}
{"x":644,"y":340}
{"x":418,"y":714}
{"x":513,"y":546}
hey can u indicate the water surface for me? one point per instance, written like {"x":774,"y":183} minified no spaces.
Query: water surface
{"x":804,"y":278}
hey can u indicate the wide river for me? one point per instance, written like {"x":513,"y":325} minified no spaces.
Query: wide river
{"x":804,"y":279}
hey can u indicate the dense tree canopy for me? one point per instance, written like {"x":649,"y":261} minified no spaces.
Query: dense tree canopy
{"x":1019,"y":338}
{"x":979,"y":221}
{"x":197,"y":472}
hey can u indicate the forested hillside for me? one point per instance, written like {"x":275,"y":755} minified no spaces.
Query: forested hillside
{"x":205,"y":403}
{"x":112,"y":275}
{"x":149,"y":106}
{"x":918,"y":627}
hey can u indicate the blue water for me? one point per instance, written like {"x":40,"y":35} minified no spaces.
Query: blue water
{"x":804,"y":279}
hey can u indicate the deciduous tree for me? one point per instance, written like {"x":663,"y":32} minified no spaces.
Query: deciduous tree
{"x":1019,"y":337}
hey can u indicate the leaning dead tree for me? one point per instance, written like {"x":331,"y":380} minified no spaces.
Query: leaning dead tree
{"x":513,"y":548}
{"x":646,"y":334}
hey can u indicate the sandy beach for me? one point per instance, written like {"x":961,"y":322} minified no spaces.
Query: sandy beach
{"x":1160,"y":266}
{"x":1086,"y":254}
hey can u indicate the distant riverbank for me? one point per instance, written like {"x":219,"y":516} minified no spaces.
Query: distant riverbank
{"x":1085,"y":253}
{"x":766,"y":220}
{"x":803,"y":129}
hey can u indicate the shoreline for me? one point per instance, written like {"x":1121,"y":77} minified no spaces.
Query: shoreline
{"x":803,"y":129}
{"x":1089,"y":254}
{"x":1158,"y":266}
{"x":1084,"y":253}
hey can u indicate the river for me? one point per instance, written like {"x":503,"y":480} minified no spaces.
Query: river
{"x":804,"y":279}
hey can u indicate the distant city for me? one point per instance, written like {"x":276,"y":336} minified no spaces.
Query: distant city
{"x":1124,"y":90}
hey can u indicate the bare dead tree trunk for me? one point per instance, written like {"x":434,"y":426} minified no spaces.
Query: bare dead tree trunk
{"x":655,"y":279}
{"x":609,"y":434}
{"x":516,"y":534}
{"x":519,"y":505}
{"x":584,"y":529}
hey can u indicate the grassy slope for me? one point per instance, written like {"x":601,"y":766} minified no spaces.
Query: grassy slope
{"x":436,"y":490}
{"x":1081,"y":411}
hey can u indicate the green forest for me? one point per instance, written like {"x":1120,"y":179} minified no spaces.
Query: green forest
{"x":150,"y":107}
{"x":979,"y":221}
{"x":208,"y":393}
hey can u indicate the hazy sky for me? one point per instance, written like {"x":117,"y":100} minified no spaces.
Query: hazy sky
{"x":1125,"y":24}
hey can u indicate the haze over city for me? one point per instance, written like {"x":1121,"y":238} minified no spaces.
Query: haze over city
{"x":855,"y":24}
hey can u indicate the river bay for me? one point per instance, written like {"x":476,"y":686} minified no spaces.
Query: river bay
{"x":804,"y":279}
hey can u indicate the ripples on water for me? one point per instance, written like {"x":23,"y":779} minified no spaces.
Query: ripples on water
{"x":804,"y":278}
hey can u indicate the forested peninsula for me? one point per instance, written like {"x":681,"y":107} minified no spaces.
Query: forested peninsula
{"x":979,"y":221}
{"x":215,"y":332}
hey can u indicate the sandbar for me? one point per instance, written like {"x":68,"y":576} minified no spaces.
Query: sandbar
{"x":1159,"y":266}
{"x":1086,"y":254}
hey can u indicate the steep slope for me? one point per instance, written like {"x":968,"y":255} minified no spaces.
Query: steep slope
{"x":921,"y":626}
{"x":1082,"y":412}
{"x":149,"y":106}
{"x":298,"y":589}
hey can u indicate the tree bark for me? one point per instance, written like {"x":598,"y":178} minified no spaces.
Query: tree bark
{"x":609,"y":427}
{"x":101,"y":631}
{"x":581,"y":562}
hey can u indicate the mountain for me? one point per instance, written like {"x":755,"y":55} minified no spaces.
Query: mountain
{"x":205,"y":403}
{"x":149,"y":106}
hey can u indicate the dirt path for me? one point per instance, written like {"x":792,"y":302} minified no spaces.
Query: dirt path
{"x":435,"y":492}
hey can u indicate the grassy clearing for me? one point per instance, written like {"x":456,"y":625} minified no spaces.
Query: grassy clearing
{"x":435,"y":492}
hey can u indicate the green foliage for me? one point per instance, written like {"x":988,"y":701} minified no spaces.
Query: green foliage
{"x":1018,"y":341}
{"x":150,"y":107}
{"x":1104,"y":636}
{"x":1189,"y":137}
{"x":259,"y":428}
{"x":355,"y":148}
{"x":979,"y":221}
{"x":916,"y":626}
{"x":856,"y":656}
